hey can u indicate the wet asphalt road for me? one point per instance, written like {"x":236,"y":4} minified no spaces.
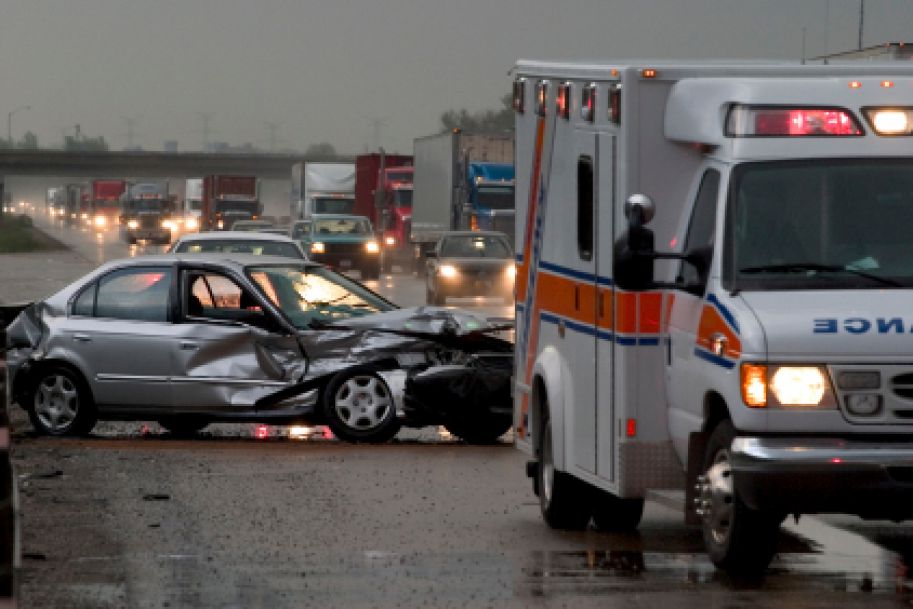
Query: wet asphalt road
{"x":133,"y":518}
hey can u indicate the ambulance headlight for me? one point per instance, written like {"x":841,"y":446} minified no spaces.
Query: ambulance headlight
{"x":786,"y":387}
{"x":132,"y":224}
{"x":890,"y":121}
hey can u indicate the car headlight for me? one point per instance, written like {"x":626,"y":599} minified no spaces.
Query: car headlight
{"x":372,"y":247}
{"x":448,"y":271}
{"x":192,"y":224}
{"x":132,"y":224}
{"x":220,"y":224}
{"x":169,"y":225}
{"x":390,"y":241}
{"x":318,"y":247}
{"x":788,"y":386}
{"x":85,"y":216}
{"x":100,"y":221}
{"x":511,"y":271}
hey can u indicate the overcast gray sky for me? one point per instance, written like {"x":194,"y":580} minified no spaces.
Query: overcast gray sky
{"x":323,"y":69}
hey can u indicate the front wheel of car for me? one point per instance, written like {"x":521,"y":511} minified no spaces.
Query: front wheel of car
{"x":61,"y":403}
{"x":359,"y":406}
{"x":565,"y":501}
{"x":485,"y":429}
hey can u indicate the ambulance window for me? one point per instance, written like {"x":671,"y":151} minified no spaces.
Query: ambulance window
{"x":585,"y":208}
{"x":701,"y":229}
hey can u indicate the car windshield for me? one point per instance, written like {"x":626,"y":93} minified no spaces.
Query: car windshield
{"x":239,"y":246}
{"x":146,"y":205}
{"x":497,"y":197}
{"x":342,"y":226}
{"x":327,"y":205}
{"x":821,"y":224}
{"x":315,"y":295}
{"x":474,"y":246}
{"x":245,"y":206}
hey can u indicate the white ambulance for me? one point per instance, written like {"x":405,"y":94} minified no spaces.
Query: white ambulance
{"x":753,"y":343}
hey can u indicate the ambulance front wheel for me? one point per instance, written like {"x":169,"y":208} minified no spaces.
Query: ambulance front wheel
{"x":738,"y":539}
{"x":565,"y":501}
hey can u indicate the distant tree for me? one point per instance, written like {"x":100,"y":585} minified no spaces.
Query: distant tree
{"x":321,"y":149}
{"x":483,"y":121}
{"x":29,"y":141}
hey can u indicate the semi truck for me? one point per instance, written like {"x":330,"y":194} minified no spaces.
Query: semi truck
{"x":105,"y":202}
{"x":322,"y":188}
{"x":76,"y":204}
{"x":192,"y":209}
{"x":227,"y":199}
{"x":147,"y":212}
{"x":462,"y":181}
{"x":383,"y":193}
{"x":56,"y":200}
{"x":713,"y":294}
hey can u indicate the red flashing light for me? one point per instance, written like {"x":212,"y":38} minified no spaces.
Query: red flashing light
{"x":631,"y":428}
{"x":748,"y":121}
{"x":588,"y":103}
{"x":855,"y":84}
{"x":262,"y":432}
{"x":837,"y":460}
{"x":887,"y":84}
{"x":563,"y":100}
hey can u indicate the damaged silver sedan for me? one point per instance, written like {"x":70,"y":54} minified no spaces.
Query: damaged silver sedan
{"x":188,"y":340}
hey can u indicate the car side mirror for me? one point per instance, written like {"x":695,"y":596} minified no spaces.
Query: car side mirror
{"x":634,"y":249}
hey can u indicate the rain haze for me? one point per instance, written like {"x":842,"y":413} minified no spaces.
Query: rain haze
{"x":286,"y":74}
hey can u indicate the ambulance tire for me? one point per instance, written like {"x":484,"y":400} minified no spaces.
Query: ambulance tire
{"x":611,"y":513}
{"x":738,"y":539}
{"x":565,"y":501}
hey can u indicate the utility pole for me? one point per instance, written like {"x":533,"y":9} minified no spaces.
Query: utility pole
{"x":273,"y":139}
{"x":9,"y":123}
{"x":377,"y":124}
{"x":861,"y":21}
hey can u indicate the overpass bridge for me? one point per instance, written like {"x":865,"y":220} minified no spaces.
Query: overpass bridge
{"x":150,"y":164}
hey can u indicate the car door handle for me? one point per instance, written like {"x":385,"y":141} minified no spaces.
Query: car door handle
{"x":188,"y":346}
{"x":82,"y":338}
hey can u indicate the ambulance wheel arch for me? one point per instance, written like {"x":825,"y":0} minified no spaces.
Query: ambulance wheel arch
{"x":549,"y":373}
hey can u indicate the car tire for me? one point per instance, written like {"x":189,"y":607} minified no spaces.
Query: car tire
{"x":359,"y":406}
{"x":131,"y":240}
{"x":738,"y":539}
{"x":612,"y":513}
{"x":565,"y":501}
{"x":183,"y":427}
{"x":386,"y":263}
{"x":60,"y":403}
{"x":484,"y":430}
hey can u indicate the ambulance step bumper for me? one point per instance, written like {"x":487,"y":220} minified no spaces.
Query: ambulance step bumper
{"x":805,"y":475}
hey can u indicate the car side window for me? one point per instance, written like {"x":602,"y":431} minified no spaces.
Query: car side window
{"x":84,"y":304}
{"x":699,"y":238}
{"x":215,"y":296}
{"x":141,"y":294}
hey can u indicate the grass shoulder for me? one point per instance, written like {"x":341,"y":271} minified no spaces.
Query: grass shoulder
{"x":18,"y":235}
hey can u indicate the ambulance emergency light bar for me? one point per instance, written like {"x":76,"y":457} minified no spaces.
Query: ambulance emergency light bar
{"x":789,"y":121}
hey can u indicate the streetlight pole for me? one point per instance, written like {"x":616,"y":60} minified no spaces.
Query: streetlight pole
{"x":9,"y":123}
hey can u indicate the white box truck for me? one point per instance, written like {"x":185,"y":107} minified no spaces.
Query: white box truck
{"x":462,"y":181}
{"x":751,"y":344}
{"x":322,"y":188}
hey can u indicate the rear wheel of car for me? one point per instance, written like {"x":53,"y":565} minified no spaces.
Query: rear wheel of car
{"x":611,"y":513}
{"x":565,"y":501}
{"x":183,"y":426}
{"x":359,"y":406}
{"x":482,"y":430}
{"x":738,"y":539}
{"x":60,"y":403}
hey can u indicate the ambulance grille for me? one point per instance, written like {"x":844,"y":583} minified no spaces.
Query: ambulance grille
{"x":902,"y":384}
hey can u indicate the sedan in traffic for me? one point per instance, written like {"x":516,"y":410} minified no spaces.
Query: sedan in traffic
{"x":238,"y":242}
{"x":470,"y":263}
{"x":187,"y":340}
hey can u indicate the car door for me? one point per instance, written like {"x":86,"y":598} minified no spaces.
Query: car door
{"x":120,"y":333}
{"x":229,"y":351}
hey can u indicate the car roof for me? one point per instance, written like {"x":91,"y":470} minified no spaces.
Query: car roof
{"x":473,"y":233}
{"x":339,"y":217}
{"x":235,"y":235}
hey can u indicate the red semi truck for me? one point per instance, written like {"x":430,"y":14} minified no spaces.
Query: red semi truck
{"x":105,"y":203}
{"x":227,"y":199}
{"x":383,"y":193}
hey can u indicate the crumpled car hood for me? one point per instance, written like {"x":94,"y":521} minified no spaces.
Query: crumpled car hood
{"x":429,"y":321}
